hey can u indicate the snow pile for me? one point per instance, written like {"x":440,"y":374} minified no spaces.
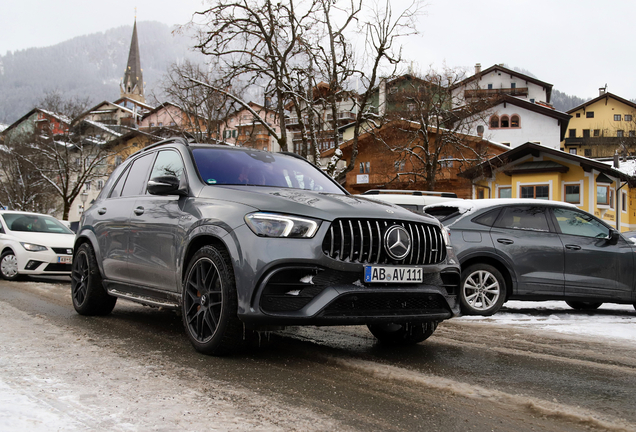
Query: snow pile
{"x":609,"y":321}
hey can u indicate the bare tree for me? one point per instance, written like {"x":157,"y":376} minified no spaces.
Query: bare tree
{"x":67,"y":161}
{"x":429,"y":133}
{"x":20,"y":187}
{"x":202,"y":109}
{"x":288,"y":47}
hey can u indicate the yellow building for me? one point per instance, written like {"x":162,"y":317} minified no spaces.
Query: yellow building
{"x":602,"y":127}
{"x":535,"y":171}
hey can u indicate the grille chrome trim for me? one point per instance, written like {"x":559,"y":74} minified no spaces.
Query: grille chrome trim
{"x":347,"y":240}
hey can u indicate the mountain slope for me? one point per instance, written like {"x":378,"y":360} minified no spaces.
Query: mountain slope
{"x":90,"y":65}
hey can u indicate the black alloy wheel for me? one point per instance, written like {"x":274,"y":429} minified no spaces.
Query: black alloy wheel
{"x":89,"y":296}
{"x":210,"y":303}
{"x":402,"y":333}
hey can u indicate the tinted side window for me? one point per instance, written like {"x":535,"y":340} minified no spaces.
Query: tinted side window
{"x":119,"y":185}
{"x":531,"y":218}
{"x":168,"y":163}
{"x":137,"y":176}
{"x":487,"y":218}
{"x":581,"y":224}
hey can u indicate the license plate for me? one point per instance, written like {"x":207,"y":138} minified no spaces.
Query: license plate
{"x":392,"y":274}
{"x":65,"y":259}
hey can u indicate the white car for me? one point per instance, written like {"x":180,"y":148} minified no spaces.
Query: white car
{"x":34,"y":244}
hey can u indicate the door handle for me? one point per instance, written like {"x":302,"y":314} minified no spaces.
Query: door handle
{"x":573,"y":247}
{"x":505,"y":241}
{"x":102,"y":211}
{"x":139,"y":211}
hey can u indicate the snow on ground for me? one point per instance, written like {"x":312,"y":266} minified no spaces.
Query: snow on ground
{"x":613,"y":321}
{"x":54,"y":379}
{"x":40,"y":390}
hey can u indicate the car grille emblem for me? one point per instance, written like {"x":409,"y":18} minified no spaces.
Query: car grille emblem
{"x":397,"y":242}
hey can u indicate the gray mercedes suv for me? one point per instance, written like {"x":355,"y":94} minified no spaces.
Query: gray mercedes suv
{"x":239,"y":240}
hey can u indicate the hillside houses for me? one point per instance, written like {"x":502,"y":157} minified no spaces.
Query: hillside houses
{"x":511,"y":140}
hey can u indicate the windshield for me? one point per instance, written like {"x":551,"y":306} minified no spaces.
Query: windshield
{"x":34,"y":223}
{"x":218,"y":166}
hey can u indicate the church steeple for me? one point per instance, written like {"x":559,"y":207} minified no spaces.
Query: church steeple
{"x":132,"y":85}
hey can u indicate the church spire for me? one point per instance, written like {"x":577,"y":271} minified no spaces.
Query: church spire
{"x":132,"y":85}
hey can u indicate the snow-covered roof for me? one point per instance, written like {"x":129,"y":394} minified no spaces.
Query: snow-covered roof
{"x":469,"y":206}
{"x":626,"y":167}
{"x":60,"y":117}
{"x":3,"y":127}
{"x":103,"y":127}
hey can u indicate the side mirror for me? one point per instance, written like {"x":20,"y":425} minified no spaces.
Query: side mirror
{"x":613,"y":237}
{"x":165,"y":185}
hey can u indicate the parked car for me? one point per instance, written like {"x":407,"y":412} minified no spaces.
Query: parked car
{"x":413,"y":200}
{"x":241,"y":239}
{"x":34,"y":244}
{"x":536,"y":250}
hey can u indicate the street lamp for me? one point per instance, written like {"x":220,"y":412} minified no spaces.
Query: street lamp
{"x":83,"y":197}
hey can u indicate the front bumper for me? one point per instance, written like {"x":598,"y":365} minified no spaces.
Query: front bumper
{"x":43,"y":263}
{"x":294,"y":282}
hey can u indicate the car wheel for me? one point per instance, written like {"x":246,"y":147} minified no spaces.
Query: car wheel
{"x":582,"y":305}
{"x":402,"y":334}
{"x":87,"y":291}
{"x":210,"y":303}
{"x":9,"y":266}
{"x":483,"y":290}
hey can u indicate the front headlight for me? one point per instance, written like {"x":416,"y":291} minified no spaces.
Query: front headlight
{"x":278,"y":225}
{"x":33,"y":247}
{"x":446,"y":235}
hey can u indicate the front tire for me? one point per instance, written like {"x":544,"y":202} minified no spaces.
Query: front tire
{"x":404,"y":333}
{"x":210,"y":303}
{"x":9,"y":266}
{"x":88,"y":293}
{"x":483,"y":290}
{"x":583,"y":306}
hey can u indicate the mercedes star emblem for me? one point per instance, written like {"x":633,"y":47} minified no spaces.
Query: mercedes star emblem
{"x":397,"y":242}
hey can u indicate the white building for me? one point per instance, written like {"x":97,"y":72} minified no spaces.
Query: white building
{"x":519,"y":111}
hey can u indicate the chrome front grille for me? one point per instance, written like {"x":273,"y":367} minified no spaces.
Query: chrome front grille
{"x":361,"y":241}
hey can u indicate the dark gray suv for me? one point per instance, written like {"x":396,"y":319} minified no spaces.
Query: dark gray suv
{"x":536,"y":250}
{"x":242,"y":240}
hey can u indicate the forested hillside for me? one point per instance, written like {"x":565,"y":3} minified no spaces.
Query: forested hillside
{"x":564,"y":102}
{"x":86,"y":66}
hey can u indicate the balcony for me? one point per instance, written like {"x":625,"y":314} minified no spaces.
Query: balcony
{"x":487,"y":93}
{"x":343,"y":115}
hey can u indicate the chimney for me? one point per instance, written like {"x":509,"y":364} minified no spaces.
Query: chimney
{"x":602,"y":90}
{"x":617,"y":164}
{"x":477,"y":68}
{"x":382,"y":97}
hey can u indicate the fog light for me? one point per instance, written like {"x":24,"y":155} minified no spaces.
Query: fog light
{"x":32,"y":265}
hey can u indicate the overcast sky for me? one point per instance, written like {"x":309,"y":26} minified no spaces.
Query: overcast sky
{"x":576,"y":45}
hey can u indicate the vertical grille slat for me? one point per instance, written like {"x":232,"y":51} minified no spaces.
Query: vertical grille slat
{"x":353,"y":242}
{"x":370,"y":256}
{"x":362,"y":240}
{"x":361,"y":253}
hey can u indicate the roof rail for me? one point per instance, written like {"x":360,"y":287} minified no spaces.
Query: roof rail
{"x":410,"y":192}
{"x":179,"y":140}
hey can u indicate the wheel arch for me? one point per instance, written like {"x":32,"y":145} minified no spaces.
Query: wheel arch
{"x":499,"y":265}
{"x":89,"y":237}
{"x":7,"y":249}
{"x":197,"y":243}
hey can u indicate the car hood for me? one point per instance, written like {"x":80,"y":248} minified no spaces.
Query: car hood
{"x":44,"y":239}
{"x":325,"y":206}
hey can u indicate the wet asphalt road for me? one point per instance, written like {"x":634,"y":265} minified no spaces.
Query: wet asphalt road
{"x":464,"y":378}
